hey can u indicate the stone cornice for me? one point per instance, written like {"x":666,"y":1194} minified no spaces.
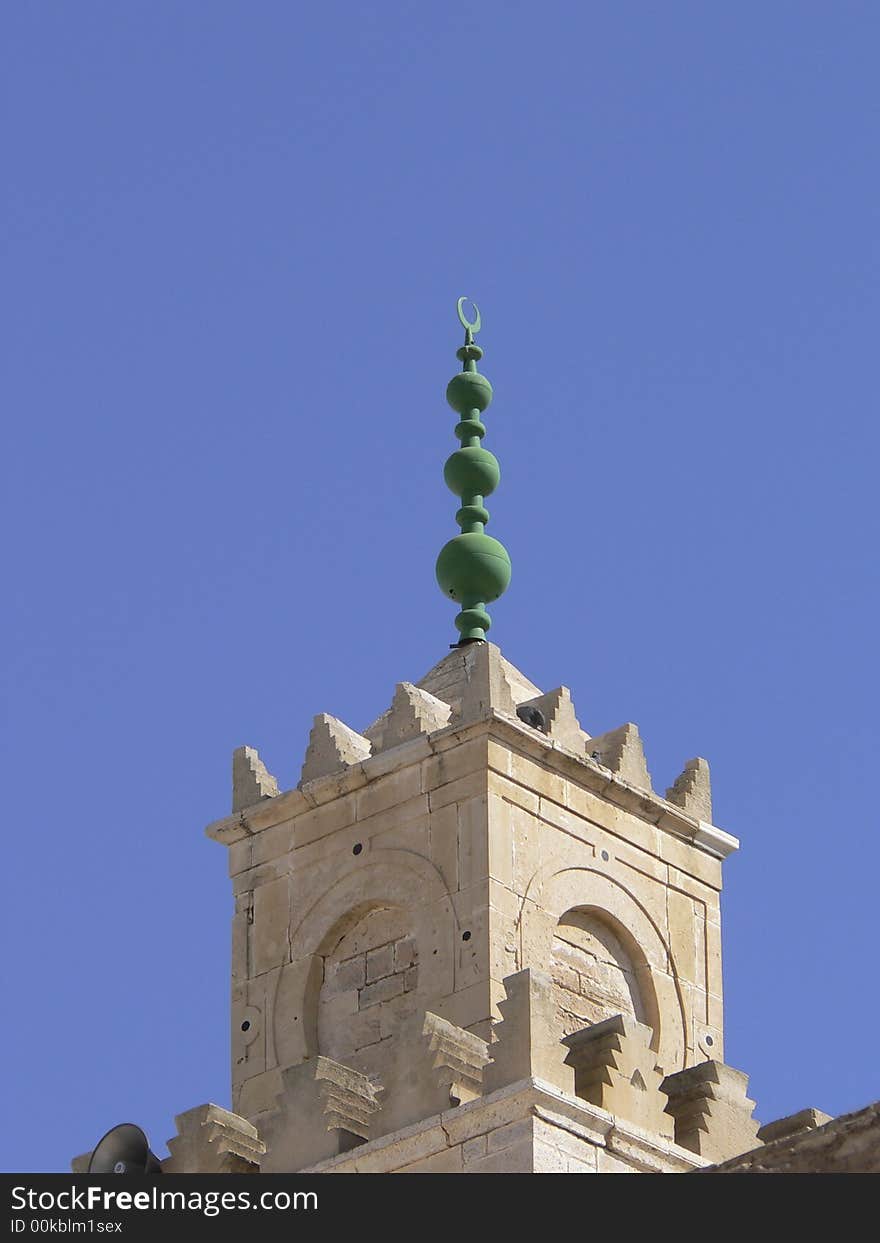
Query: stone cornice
{"x":580,"y":769}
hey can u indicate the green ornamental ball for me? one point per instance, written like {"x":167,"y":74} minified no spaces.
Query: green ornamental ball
{"x":468,"y":391}
{"x":473,"y":471}
{"x":473,"y":568}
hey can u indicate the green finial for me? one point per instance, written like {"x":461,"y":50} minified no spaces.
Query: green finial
{"x":473,"y":569}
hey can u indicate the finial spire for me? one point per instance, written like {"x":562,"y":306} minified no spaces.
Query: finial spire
{"x":473,"y":569}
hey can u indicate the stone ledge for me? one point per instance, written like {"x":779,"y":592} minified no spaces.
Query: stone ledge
{"x":528,"y":1098}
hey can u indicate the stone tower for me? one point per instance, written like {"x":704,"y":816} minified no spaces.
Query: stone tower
{"x":474,"y":937}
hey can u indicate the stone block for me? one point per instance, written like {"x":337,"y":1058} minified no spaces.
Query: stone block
{"x":713,"y":1115}
{"x":380,"y":962}
{"x":348,"y":974}
{"x":404,"y":953}
{"x":512,"y":1133}
{"x":323,"y":1107}
{"x":682,"y":920}
{"x":211,"y":1140}
{"x":382,"y":990}
{"x":251,"y":780}
{"x":537,"y":778}
{"x":690,"y":859}
{"x":454,"y":763}
{"x":527,"y":1042}
{"x":476,"y":680}
{"x":413,"y":713}
{"x":332,"y":746}
{"x":473,"y":841}
{"x":392,"y":790}
{"x":457,"y":1058}
{"x":621,"y":751}
{"x":447,"y":1162}
{"x":692,"y":790}
{"x":516,"y":1159}
{"x":269,"y":935}
{"x":512,"y":792}
{"x":615,"y":1068}
{"x":460,"y":791}
{"x":324,"y":820}
{"x":474,"y":1149}
{"x":443,"y":843}
{"x":560,"y":722}
{"x":794,"y":1124}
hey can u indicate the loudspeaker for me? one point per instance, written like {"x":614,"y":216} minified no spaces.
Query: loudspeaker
{"x":124,"y":1150}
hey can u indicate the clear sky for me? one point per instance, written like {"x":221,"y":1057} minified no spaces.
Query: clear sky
{"x":233,"y":238}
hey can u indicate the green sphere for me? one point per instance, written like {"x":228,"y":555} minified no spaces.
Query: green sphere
{"x":468,"y":391}
{"x":473,"y":569}
{"x":472,"y":472}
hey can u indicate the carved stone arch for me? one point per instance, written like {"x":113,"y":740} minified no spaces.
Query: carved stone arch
{"x":400,"y":887}
{"x":555,"y":892}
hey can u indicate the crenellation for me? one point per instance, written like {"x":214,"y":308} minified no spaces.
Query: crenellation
{"x":621,"y":750}
{"x":333,"y":745}
{"x":251,"y":780}
{"x":561,"y":724}
{"x":692,"y":789}
{"x":413,"y":713}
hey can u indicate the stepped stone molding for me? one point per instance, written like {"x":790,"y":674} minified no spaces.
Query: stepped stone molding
{"x":251,"y":779}
{"x":413,"y":712}
{"x":615,"y":1068}
{"x":332,"y":746}
{"x":323,"y":1108}
{"x":527,"y":1041}
{"x":622,"y":751}
{"x":692,"y":789}
{"x":458,"y":1055}
{"x":561,"y":723}
{"x":713,"y":1115}
{"x":211,"y":1140}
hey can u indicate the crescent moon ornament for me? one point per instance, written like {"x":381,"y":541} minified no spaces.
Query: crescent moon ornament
{"x":475,"y":326}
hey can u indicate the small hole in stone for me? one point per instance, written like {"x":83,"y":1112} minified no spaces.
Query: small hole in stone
{"x":435,"y":951}
{"x":605,"y":855}
{"x":245,"y":1025}
{"x":356,"y":849}
{"x":709,"y":1041}
{"x":465,"y":936}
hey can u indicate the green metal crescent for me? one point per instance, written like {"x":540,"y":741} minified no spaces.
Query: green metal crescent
{"x":475,"y":326}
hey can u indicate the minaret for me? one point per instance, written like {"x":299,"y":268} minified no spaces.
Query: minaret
{"x":473,"y":937}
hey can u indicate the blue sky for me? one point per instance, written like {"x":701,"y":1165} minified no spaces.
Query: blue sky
{"x":234,"y":236}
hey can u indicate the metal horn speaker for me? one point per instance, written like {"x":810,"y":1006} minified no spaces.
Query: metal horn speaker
{"x":124,"y":1150}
